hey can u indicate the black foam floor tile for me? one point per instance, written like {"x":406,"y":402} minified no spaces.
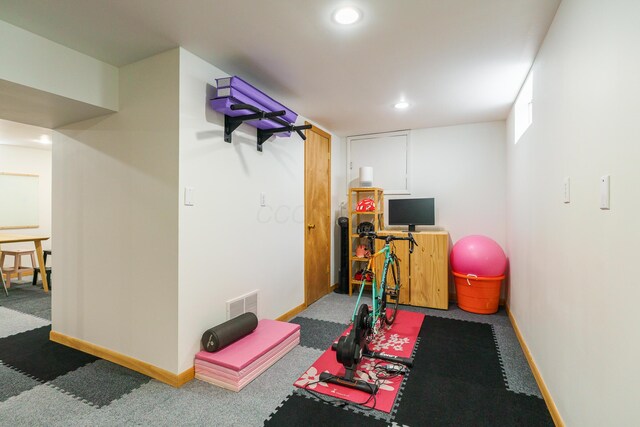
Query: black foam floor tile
{"x":318,"y":333}
{"x":457,"y":380}
{"x":301,"y":411}
{"x":446,"y":402}
{"x":460,"y":350}
{"x":33,"y":354}
{"x":101,"y":382}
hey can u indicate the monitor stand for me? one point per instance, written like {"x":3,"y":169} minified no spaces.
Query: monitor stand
{"x":412,"y":228}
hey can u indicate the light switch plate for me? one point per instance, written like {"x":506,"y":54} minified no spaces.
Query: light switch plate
{"x":567,"y":190}
{"x":605,"y":192}
{"x":188,"y":196}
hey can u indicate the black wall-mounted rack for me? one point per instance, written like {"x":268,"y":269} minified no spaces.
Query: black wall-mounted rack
{"x":231,"y":123}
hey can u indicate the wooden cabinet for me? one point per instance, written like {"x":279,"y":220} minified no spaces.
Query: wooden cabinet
{"x":375,"y":217}
{"x":424,"y":274}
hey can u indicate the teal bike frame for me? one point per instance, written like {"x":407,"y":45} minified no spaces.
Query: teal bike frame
{"x":375,"y":313}
{"x":366,"y":324}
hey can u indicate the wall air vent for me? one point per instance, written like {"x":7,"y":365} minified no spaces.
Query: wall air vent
{"x":243,"y":304}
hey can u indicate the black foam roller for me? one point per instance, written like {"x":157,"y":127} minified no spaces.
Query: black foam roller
{"x":229,"y":332}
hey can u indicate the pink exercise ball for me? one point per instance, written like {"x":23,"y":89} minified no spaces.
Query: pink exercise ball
{"x":479,"y":255}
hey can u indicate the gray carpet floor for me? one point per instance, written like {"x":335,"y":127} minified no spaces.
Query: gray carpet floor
{"x":101,"y":393}
{"x":27,"y":299}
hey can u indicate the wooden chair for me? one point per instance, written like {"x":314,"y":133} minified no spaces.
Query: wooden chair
{"x":3,"y":283}
{"x":46,"y":253}
{"x":18,"y":269}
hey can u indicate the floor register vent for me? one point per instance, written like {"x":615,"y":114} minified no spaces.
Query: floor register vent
{"x":243,"y":304}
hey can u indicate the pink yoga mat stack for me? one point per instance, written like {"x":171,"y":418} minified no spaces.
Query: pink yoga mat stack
{"x":237,"y":365}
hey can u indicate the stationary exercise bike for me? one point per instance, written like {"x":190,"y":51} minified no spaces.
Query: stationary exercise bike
{"x":367,"y":323}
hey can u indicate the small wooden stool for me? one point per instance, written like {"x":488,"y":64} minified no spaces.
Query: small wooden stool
{"x":17,"y":268}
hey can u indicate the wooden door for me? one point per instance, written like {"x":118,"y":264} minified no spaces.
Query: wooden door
{"x":317,"y":212}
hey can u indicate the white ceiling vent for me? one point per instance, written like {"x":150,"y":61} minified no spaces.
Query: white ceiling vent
{"x":243,"y":304}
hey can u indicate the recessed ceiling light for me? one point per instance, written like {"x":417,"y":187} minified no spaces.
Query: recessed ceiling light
{"x":401,"y":105}
{"x":347,"y":15}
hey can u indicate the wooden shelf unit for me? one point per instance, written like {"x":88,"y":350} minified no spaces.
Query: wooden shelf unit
{"x":376,"y":217}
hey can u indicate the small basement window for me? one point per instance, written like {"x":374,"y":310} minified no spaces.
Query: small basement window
{"x":387,"y":153}
{"x":524,"y":108}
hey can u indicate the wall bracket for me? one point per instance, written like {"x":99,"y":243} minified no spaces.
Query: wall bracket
{"x":231,"y":123}
{"x":265,"y":134}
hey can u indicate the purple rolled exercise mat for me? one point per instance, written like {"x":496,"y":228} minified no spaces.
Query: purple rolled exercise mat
{"x":257,"y":95}
{"x":223,"y":106}
{"x":241,"y":98}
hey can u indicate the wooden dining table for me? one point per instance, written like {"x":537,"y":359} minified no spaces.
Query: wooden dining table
{"x":37,"y":241}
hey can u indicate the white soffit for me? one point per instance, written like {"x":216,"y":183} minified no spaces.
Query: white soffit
{"x":22,"y":135}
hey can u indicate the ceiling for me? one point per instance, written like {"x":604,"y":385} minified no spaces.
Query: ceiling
{"x":454,"y":61}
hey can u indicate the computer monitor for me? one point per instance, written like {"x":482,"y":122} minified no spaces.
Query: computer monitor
{"x":412,"y":212}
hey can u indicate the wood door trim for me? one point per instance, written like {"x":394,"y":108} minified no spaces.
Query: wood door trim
{"x":291,"y":313}
{"x":548,"y":399}
{"x":175,"y":380}
{"x":327,"y":135}
{"x":319,"y":131}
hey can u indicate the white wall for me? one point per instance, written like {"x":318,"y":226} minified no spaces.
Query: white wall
{"x":464,"y":168}
{"x":229,"y":245}
{"x":16,"y":159}
{"x":33,"y":61}
{"x":574,"y":291}
{"x":115,"y":219}
{"x":143,"y":274}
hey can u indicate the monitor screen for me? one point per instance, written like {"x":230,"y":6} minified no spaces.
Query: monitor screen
{"x":412,"y":212}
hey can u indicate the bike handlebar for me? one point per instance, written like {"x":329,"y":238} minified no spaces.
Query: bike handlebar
{"x":391,"y":238}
